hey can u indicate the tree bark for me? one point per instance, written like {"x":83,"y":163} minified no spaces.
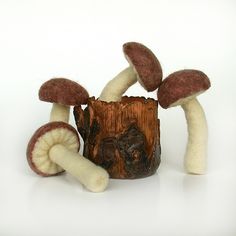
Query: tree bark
{"x":123,"y":137}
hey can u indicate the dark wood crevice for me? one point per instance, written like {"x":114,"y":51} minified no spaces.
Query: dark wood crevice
{"x":123,"y":137}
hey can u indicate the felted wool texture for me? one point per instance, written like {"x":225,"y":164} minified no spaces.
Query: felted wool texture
{"x":115,"y":88}
{"x":60,"y":113}
{"x":180,"y":85}
{"x":93,"y":177}
{"x":43,"y":140}
{"x":196,"y":151}
{"x":63,"y":91}
{"x":144,"y":67}
{"x":145,"y":63}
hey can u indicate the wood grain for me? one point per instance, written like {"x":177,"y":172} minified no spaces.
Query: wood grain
{"x":123,"y":137}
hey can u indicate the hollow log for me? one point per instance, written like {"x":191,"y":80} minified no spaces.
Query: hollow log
{"x":123,"y":137}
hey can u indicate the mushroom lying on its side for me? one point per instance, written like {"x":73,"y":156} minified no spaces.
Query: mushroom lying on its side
{"x":182,"y":88}
{"x":144,"y":67}
{"x":54,"y":148}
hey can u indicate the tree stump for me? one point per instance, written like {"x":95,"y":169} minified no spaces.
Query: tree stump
{"x":122,"y":137}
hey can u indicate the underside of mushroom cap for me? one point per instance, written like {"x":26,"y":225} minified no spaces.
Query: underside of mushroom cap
{"x":63,"y":91}
{"x":145,"y":64}
{"x":182,"y":86}
{"x":43,"y":140}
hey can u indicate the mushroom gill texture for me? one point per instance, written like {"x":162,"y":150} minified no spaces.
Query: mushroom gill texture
{"x":43,"y":140}
{"x":54,"y":148}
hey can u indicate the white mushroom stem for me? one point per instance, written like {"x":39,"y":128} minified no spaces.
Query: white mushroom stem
{"x":60,"y":113}
{"x":91,"y":176}
{"x":115,"y":88}
{"x":196,"y":152}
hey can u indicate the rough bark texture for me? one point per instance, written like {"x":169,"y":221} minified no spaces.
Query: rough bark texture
{"x":123,"y":137}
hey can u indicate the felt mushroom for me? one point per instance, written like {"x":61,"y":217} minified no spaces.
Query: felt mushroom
{"x":63,"y":93}
{"x":182,"y":88}
{"x":54,"y":148}
{"x":144,"y":67}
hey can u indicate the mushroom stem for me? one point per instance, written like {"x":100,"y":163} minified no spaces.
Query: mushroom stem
{"x":60,"y":113}
{"x":116,"y":87}
{"x":195,"y":156}
{"x":91,"y":176}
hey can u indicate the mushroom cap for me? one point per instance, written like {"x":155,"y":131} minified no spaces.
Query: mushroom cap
{"x":182,"y":86}
{"x":145,"y":64}
{"x":63,"y":91}
{"x":43,"y":140}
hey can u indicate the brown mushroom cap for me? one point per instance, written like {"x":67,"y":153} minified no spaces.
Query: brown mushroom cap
{"x":182,"y":85}
{"x":145,"y":64}
{"x":43,"y":140}
{"x":63,"y":91}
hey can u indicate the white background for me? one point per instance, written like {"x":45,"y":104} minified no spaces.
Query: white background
{"x":82,"y":41}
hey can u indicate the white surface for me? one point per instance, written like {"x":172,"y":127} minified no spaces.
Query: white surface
{"x":82,"y":40}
